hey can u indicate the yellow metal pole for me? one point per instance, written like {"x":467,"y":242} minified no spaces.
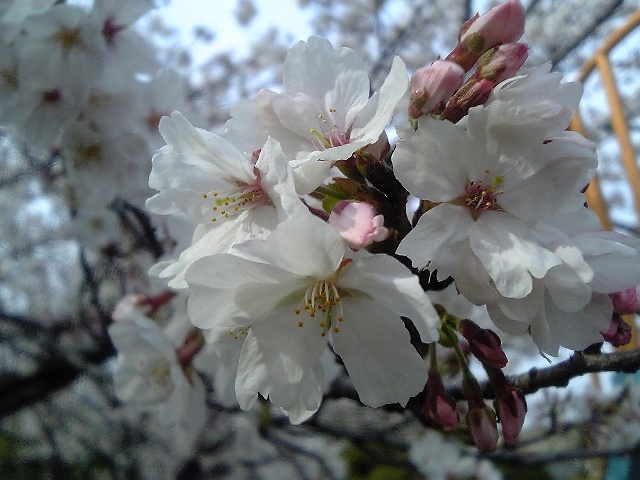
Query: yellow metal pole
{"x":620,"y":126}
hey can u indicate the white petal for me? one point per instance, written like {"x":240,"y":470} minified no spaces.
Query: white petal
{"x":426,"y":164}
{"x":371,"y":121}
{"x":391,"y":284}
{"x":436,"y":236}
{"x":375,"y":347}
{"x":226,"y":287}
{"x":281,"y":361}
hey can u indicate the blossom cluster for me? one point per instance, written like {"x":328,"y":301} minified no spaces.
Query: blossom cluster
{"x":301,"y":241}
{"x":66,"y":72}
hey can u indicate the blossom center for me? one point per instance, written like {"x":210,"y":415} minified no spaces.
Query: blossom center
{"x":157,"y":375}
{"x":331,"y":131}
{"x":247,"y":196}
{"x":322,"y":299}
{"x":481,"y":195}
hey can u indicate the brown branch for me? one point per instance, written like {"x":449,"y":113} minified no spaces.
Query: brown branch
{"x":558,"y":375}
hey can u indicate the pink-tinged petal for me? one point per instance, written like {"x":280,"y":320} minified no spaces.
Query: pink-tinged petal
{"x":391,"y":284}
{"x":425,"y":164}
{"x":375,"y":347}
{"x":358,"y":223}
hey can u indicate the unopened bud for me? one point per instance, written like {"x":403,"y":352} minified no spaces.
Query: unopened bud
{"x":432,"y":87}
{"x":627,"y":301}
{"x":472,"y":93}
{"x":502,"y":62}
{"x":511,"y":408}
{"x":358,"y":223}
{"x":484,"y":344}
{"x":439,"y":406}
{"x":619,"y":333}
{"x":502,"y":24}
{"x":484,"y":430}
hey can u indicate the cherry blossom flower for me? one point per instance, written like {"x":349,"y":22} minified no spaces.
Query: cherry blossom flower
{"x":231,"y":195}
{"x":295,"y":291}
{"x":127,"y":52}
{"x":490,"y":179}
{"x":507,"y":199}
{"x":325,"y":112}
{"x":61,"y":48}
{"x":148,"y":374}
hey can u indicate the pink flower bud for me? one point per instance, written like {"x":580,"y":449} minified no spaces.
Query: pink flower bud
{"x":502,"y":62}
{"x":619,"y":333}
{"x":627,"y":301}
{"x":432,"y":87}
{"x":511,"y":408}
{"x":502,"y":24}
{"x":484,"y":431}
{"x":358,"y":223}
{"x":474,"y":92}
{"x":484,"y":344}
{"x":439,"y":406}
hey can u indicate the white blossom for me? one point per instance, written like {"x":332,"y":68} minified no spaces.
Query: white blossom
{"x":229,"y":194}
{"x":293,"y":292}
{"x":325,"y":112}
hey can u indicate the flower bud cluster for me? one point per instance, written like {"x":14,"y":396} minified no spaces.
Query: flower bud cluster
{"x":509,"y":406}
{"x":487,"y":41}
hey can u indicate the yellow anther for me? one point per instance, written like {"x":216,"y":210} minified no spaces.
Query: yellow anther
{"x":336,"y":329}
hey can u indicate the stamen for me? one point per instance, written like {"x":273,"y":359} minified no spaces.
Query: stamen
{"x":321,"y":298}
{"x":246,"y":197}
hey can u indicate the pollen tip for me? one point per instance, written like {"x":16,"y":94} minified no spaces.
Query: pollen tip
{"x":336,"y":329}
{"x":300,"y":324}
